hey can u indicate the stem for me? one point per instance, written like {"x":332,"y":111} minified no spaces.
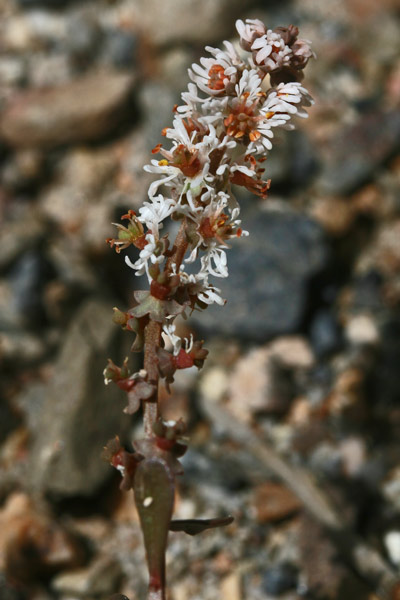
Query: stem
{"x":156,"y":595}
{"x":179,"y":249}
{"x":152,"y":338}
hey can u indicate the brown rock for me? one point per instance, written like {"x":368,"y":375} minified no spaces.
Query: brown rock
{"x":231,"y":587}
{"x":32,"y":544}
{"x":85,"y":109}
{"x":336,"y":215}
{"x":274,"y":502}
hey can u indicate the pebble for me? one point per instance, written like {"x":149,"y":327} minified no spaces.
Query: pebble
{"x":12,"y":71}
{"x":279,"y":579}
{"x":362,"y":329}
{"x":100,"y":577}
{"x":326,"y":459}
{"x":22,"y":348}
{"x":81,"y":110}
{"x":353,"y":453}
{"x":231,"y":587}
{"x":84,"y":37}
{"x":23,"y":171}
{"x":325,"y":333}
{"x":392,"y":543}
{"x":391,"y":488}
{"x":274,"y":502}
{"x":294,"y":352}
{"x":259,"y":383}
{"x":23,"y":231}
{"x":335,"y":215}
{"x":120,"y":48}
{"x":28,"y":278}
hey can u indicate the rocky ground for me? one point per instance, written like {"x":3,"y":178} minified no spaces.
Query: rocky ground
{"x":295,"y":418}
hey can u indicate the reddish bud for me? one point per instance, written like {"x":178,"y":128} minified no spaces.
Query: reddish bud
{"x":183,"y":360}
{"x":159,"y":291}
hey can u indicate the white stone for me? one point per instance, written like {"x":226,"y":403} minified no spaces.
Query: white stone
{"x":361,"y":329}
{"x":392,"y":543}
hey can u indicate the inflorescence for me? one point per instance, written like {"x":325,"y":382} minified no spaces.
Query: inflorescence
{"x":220,"y":137}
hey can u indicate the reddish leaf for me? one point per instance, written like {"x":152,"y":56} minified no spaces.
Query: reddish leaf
{"x":154,"y":488}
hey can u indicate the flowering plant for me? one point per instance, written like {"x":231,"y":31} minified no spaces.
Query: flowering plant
{"x":220,"y":137}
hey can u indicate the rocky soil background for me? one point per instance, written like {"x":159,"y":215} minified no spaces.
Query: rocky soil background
{"x":303,"y":379}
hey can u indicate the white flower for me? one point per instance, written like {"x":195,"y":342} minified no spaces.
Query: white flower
{"x":211,"y":295}
{"x":249,"y":84}
{"x":270,"y":51}
{"x":218,"y":74}
{"x":288,"y":99}
{"x":147,"y":254}
{"x":214,"y":262}
{"x":175,"y":340}
{"x":154,"y":212}
{"x":249,"y":31}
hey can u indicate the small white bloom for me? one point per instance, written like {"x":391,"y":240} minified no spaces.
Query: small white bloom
{"x":211,"y":295}
{"x":145,"y":256}
{"x":249,"y":31}
{"x":154,"y":212}
{"x":175,"y":340}
{"x":217,"y":74}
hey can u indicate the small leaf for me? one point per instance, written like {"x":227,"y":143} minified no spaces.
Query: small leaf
{"x":154,"y":488}
{"x":195,"y":526}
{"x":140,"y":391}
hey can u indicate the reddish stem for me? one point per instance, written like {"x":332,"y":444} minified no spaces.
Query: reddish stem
{"x":179,"y":249}
{"x":152,"y":338}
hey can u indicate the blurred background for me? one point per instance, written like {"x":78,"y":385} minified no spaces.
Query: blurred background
{"x":305,"y":354}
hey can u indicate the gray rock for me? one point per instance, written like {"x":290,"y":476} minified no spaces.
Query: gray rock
{"x":355,"y":152}
{"x":23,"y":170}
{"x":325,"y":333}
{"x":79,"y":413}
{"x":20,"y":234}
{"x":50,"y":3}
{"x":179,"y":21}
{"x":120,"y":48}
{"x":101,"y":577}
{"x":83,"y":37}
{"x":268,"y":276}
{"x":279,"y":579}
{"x":21,"y":348}
{"x":28,"y":278}
{"x":85,"y":109}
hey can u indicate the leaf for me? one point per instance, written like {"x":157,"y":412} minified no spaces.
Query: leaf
{"x":195,"y":526}
{"x":158,"y":310}
{"x":154,"y":488}
{"x":140,"y":391}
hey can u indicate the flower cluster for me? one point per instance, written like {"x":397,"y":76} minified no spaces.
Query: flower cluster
{"x":221,"y":135}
